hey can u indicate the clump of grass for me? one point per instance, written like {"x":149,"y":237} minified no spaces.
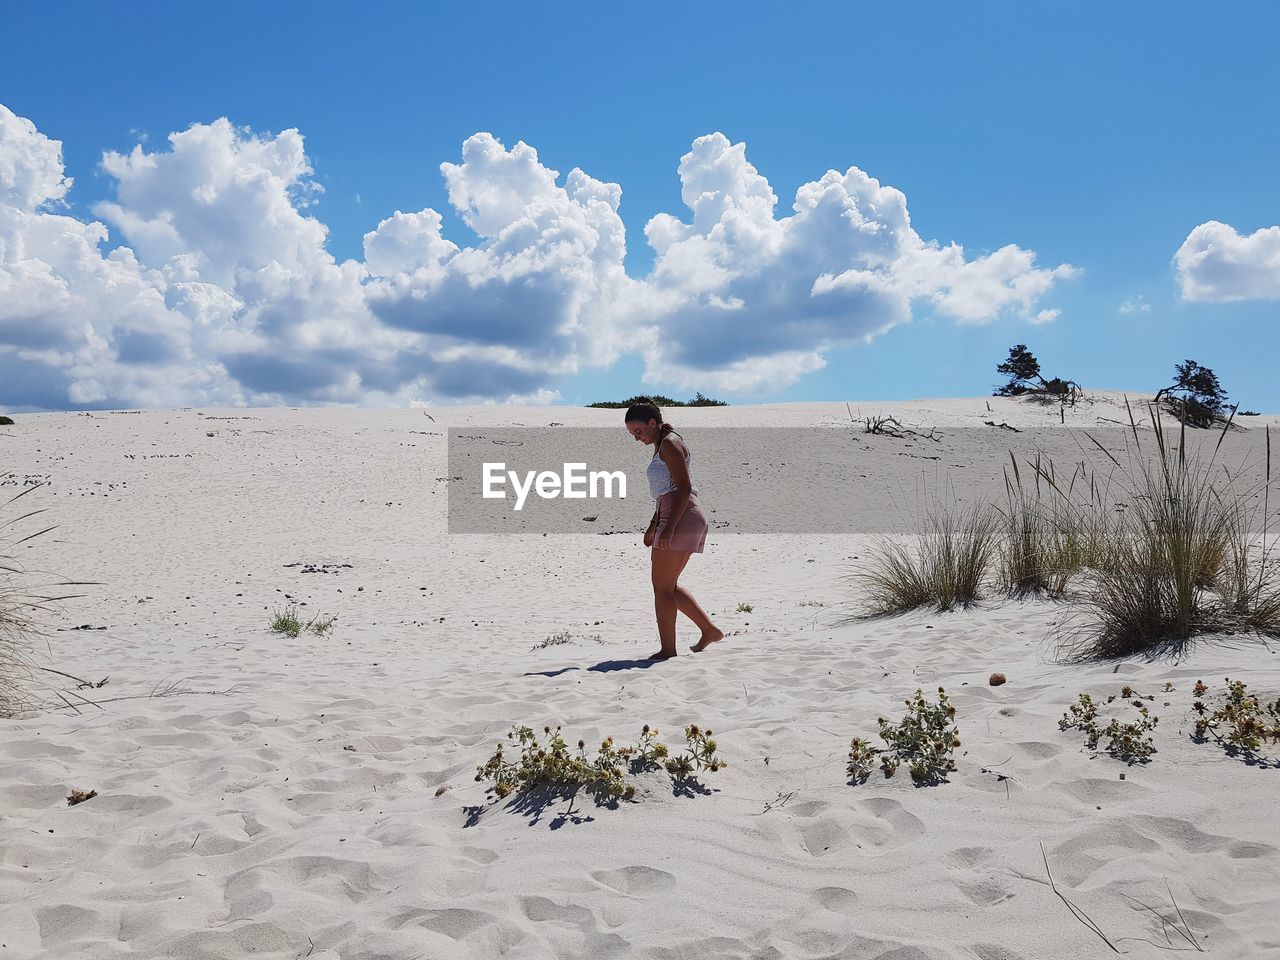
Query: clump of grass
{"x":286,"y":621}
{"x":745,"y":607}
{"x":1130,"y":741}
{"x":21,"y":603}
{"x":1181,"y":560}
{"x":948,"y":568}
{"x":6,"y":421}
{"x":290,"y":624}
{"x":924,"y":739}
{"x":608,"y":776}
{"x":1052,"y":528}
{"x":1242,"y":724}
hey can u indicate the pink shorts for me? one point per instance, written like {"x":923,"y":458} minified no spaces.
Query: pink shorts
{"x":691,"y":533}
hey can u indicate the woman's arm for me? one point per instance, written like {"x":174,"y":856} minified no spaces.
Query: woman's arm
{"x":673,"y":455}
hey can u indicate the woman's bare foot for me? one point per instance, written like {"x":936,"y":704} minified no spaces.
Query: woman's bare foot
{"x":715,"y":636}
{"x":661,"y":655}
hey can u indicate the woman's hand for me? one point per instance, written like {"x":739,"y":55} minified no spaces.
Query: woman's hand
{"x":648,"y":536}
{"x":664,"y":541}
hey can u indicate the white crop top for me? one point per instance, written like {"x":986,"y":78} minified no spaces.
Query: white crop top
{"x":659,"y":475}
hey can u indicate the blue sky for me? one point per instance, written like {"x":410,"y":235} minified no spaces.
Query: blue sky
{"x":1096,"y":135}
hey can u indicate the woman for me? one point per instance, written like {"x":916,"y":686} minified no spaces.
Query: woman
{"x":678,"y":528}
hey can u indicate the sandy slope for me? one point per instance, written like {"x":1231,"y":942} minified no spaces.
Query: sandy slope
{"x":233,"y":821}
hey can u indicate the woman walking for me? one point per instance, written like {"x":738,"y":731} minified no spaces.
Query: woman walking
{"x":678,"y":528}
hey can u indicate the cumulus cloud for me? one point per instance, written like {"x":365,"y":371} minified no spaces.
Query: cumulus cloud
{"x":540,"y":284}
{"x":220,"y":288}
{"x":1136,"y":304}
{"x":744,"y":299}
{"x":1217,"y":264}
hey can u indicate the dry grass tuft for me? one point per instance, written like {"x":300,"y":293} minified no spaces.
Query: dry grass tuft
{"x":948,"y":569}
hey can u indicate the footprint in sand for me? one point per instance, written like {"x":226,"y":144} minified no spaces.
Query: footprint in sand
{"x":635,"y":881}
{"x":453,"y":922}
{"x":823,"y":836}
{"x":885,"y":824}
{"x":838,"y":899}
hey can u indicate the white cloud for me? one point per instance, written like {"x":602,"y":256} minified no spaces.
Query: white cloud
{"x":744,"y":299}
{"x":1217,"y":264}
{"x":225,"y":292}
{"x":1136,"y":304}
{"x":538,"y":288}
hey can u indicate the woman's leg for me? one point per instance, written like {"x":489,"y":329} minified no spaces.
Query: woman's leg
{"x":667,"y":565}
{"x":690,"y":607}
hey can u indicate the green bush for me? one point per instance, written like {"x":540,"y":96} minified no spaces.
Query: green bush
{"x":550,"y":763}
{"x":1130,"y":741}
{"x":924,"y":739}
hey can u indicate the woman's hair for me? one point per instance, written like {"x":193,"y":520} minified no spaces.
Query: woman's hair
{"x":644,"y":410}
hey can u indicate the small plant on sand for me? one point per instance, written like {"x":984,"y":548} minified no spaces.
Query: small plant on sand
{"x":745,"y":607}
{"x":549,"y":762}
{"x":1130,"y":741}
{"x":286,"y":621}
{"x":946,"y":569}
{"x":320,"y":625}
{"x":289,"y":623}
{"x":924,"y":739}
{"x":6,"y":421}
{"x":563,"y":637}
{"x":1242,"y":724}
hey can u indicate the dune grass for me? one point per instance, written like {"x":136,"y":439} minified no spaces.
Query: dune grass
{"x":1170,"y":545}
{"x":946,"y":569}
{"x":1183,"y":559}
{"x":19,"y":610}
{"x":290,"y":624}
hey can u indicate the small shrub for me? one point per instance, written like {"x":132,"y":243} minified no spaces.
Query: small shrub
{"x":1130,"y":741}
{"x":1240,"y":723}
{"x":80,"y":796}
{"x":6,"y":421}
{"x":745,"y":607}
{"x":550,"y":763}
{"x":924,"y":739}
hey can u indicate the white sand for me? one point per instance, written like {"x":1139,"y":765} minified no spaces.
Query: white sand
{"x":231,"y":821}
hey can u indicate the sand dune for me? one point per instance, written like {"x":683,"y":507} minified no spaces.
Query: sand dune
{"x":274,"y":797}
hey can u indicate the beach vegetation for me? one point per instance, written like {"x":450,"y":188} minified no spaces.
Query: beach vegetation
{"x":1195,"y":397}
{"x":925,"y":740}
{"x":22,"y":604}
{"x":6,"y":421}
{"x":290,"y":623}
{"x":1025,"y":379}
{"x":946,"y":567}
{"x":607,"y":774}
{"x":697,"y":400}
{"x":1128,"y":740}
{"x":745,"y":608}
{"x":1243,"y":724}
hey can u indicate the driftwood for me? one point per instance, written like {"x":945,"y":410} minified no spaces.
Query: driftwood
{"x":893,"y":427}
{"x":1001,"y":425}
